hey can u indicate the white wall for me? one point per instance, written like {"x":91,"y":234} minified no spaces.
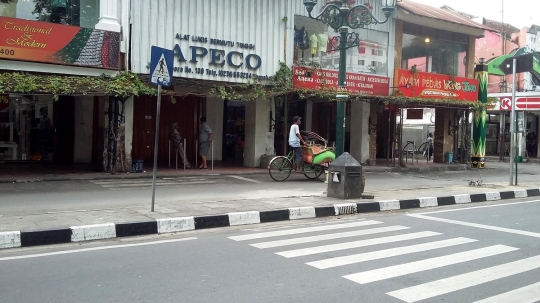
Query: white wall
{"x":214,"y":118}
{"x":359,"y":131}
{"x":257,"y":135}
{"x":84,"y":111}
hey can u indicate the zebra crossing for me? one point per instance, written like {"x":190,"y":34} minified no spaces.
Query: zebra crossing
{"x":123,"y":184}
{"x":395,"y":244}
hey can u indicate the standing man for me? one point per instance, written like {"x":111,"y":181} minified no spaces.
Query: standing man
{"x":294,"y":141}
{"x":204,"y":141}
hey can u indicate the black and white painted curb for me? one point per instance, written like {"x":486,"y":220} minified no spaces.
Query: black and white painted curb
{"x":161,"y":226}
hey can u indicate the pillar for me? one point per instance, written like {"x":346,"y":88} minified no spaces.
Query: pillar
{"x":308,"y":119}
{"x":359,"y":136}
{"x":108,"y":16}
{"x":258,"y":134}
{"x":128,"y":124}
{"x":83,"y":111}
{"x":478,"y":152}
{"x":373,"y":135}
{"x":214,"y":118}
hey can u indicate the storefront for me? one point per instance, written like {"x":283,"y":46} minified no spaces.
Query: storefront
{"x":527,"y":107}
{"x":53,"y":101}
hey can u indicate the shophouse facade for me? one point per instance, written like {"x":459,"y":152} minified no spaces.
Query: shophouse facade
{"x":44,"y":39}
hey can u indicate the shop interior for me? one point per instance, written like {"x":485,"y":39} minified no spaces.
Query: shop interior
{"x":26,"y":130}
{"x":235,"y":121}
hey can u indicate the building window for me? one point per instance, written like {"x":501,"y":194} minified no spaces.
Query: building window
{"x":82,"y":13}
{"x":362,"y":62}
{"x":362,"y":50}
{"x":434,"y":55}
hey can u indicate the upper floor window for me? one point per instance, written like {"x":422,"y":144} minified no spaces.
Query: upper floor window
{"x":83,"y":13}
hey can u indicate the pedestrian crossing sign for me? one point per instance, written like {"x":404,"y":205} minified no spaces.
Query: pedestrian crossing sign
{"x":161,"y":66}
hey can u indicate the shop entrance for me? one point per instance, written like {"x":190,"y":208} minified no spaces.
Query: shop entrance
{"x":234,"y":117}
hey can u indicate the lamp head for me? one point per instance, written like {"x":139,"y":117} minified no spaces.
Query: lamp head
{"x":310,"y":4}
{"x":388,"y":7}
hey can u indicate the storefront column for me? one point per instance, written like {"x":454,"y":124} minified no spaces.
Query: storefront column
{"x":308,"y":119}
{"x":443,"y":141}
{"x":214,"y":118}
{"x":83,"y":111}
{"x":128,"y":124}
{"x":373,"y":135}
{"x":108,"y":16}
{"x":359,"y":131}
{"x":259,"y":140}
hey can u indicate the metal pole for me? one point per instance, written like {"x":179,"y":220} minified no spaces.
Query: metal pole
{"x":517,"y":145}
{"x":197,"y":153}
{"x":342,"y":96}
{"x":513,"y":123}
{"x":388,"y":147}
{"x":184,"y":150}
{"x":156,"y":141}
{"x":502,"y":125}
{"x":212,"y":144}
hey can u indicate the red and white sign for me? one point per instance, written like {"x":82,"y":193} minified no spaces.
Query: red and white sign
{"x":435,"y":86}
{"x":356,"y":83}
{"x":528,"y":103}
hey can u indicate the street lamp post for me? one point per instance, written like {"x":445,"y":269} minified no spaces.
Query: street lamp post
{"x":340,"y":17}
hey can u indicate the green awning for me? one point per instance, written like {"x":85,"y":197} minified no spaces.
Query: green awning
{"x":493,"y":65}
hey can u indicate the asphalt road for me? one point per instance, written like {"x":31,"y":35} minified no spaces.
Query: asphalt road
{"x":486,"y":252}
{"x":120,"y":193}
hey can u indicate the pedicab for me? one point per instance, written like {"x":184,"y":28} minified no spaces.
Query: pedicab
{"x":316,"y":157}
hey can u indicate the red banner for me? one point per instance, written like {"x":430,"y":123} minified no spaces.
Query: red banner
{"x":435,"y":86}
{"x":60,"y":44}
{"x":312,"y":79}
{"x":522,"y":103}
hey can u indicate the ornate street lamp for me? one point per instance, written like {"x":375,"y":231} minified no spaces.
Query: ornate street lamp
{"x":340,"y":17}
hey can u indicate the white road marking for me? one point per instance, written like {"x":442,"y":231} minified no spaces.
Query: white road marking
{"x":387,"y":253}
{"x":245,"y":179}
{"x":427,"y":264}
{"x":157,"y":184}
{"x":94,"y":249}
{"x":342,"y":235}
{"x":444,"y":286}
{"x":355,"y":244}
{"x":476,"y":207}
{"x":495,"y":228}
{"x":527,"y":294}
{"x":302,"y":230}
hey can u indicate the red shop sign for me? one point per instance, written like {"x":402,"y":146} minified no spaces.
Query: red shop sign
{"x":356,"y":83}
{"x":435,"y":86}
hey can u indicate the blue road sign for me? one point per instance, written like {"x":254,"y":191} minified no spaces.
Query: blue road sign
{"x":161,"y":66}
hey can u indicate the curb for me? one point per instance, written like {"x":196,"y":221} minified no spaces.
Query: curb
{"x":15,"y":239}
{"x":133,"y":176}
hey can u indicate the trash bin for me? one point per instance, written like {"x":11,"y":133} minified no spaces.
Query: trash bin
{"x":137,"y":165}
{"x":449,"y":158}
{"x":519,"y":159}
{"x":345,"y":178}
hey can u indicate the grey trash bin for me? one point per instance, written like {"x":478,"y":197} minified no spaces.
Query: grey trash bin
{"x":345,"y":178}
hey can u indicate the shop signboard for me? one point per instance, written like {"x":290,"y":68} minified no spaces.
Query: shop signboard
{"x":325,"y":79}
{"x":46,"y":42}
{"x":527,"y":103}
{"x":435,"y":86}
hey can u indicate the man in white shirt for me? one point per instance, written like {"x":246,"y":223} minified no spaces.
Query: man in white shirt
{"x":294,"y":141}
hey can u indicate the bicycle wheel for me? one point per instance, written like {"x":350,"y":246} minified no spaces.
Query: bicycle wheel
{"x":313,"y":171}
{"x":280,"y":168}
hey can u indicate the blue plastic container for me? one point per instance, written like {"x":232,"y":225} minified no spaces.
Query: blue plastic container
{"x":449,"y":158}
{"x":137,"y":165}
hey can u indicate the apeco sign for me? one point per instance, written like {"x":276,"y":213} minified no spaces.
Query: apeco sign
{"x":435,"y":86}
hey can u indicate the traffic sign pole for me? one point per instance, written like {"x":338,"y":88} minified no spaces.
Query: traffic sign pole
{"x":161,"y":70}
{"x":156,"y":143}
{"x":513,"y":125}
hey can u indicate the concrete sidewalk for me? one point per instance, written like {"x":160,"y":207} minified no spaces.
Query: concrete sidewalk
{"x":18,"y":173}
{"x":29,"y":221}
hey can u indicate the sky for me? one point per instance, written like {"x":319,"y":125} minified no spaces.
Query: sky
{"x":519,"y":13}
